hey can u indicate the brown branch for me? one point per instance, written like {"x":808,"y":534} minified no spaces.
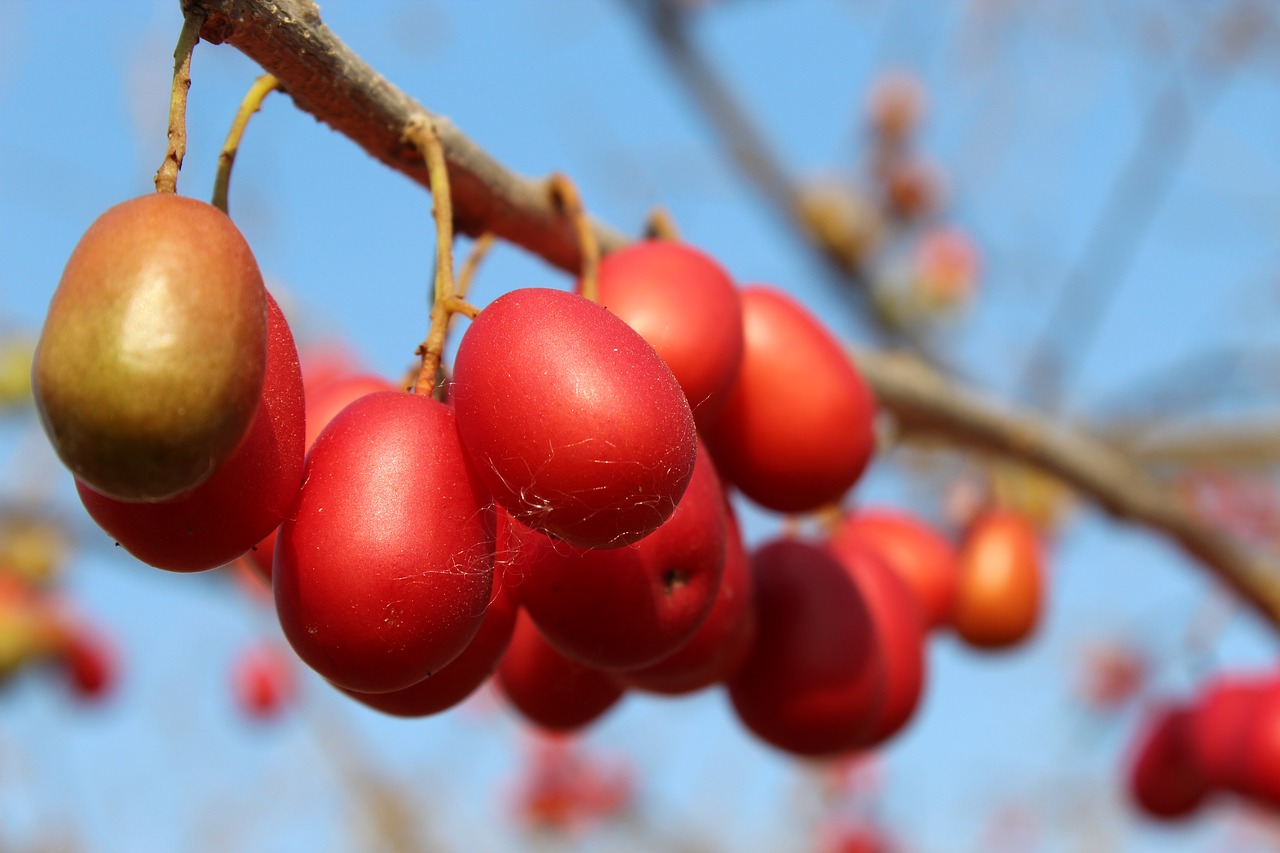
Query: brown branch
{"x":324,"y":78}
{"x":924,"y":402}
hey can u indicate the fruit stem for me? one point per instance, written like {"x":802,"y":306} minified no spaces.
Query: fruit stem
{"x":564,"y":194}
{"x":422,"y":133}
{"x":263,"y":86}
{"x":479,"y":249}
{"x":176,"y":147}
{"x":660,"y":226}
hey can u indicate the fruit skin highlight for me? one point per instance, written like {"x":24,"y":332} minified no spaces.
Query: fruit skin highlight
{"x":244,"y":500}
{"x":150,"y":365}
{"x":798,"y":428}
{"x":384,"y":570}
{"x":576,"y":424}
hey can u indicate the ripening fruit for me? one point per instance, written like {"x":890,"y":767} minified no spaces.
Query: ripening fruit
{"x":624,"y":608}
{"x":684,"y":304}
{"x":150,"y":364}
{"x":263,"y":682}
{"x":1164,"y":779}
{"x":575,"y":423}
{"x":721,"y":645}
{"x":90,"y":664}
{"x":798,"y":428}
{"x":383,"y":572}
{"x":813,"y":683}
{"x":899,"y":635}
{"x":999,"y":585}
{"x":245,"y":499}
{"x":924,"y":560}
{"x":323,"y":402}
{"x":549,"y":690}
{"x":464,"y":674}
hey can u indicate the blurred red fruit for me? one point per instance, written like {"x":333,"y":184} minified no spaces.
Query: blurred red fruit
{"x":264,"y":681}
{"x":1164,"y":780}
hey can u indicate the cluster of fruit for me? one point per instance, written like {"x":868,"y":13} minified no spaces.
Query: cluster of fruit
{"x":561,"y":516}
{"x":1227,"y":741}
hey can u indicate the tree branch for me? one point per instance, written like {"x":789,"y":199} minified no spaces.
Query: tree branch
{"x":924,"y":402}
{"x":324,"y":78}
{"x":329,"y":81}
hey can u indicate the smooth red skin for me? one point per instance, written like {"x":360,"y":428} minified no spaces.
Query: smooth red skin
{"x":383,"y":573}
{"x":1221,"y":724}
{"x":685,"y":305}
{"x":324,"y":400}
{"x":1164,"y":780}
{"x":1260,"y":776}
{"x":999,"y":582}
{"x":924,"y":560}
{"x":798,"y":429}
{"x":1235,"y":736}
{"x":263,"y":682}
{"x":613,"y":609}
{"x":90,"y":665}
{"x":451,"y":685}
{"x":576,"y":424}
{"x":813,"y":684}
{"x":245,"y":498}
{"x":719,"y":648}
{"x":549,"y":690}
{"x":899,"y":633}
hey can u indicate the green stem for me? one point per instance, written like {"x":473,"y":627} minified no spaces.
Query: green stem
{"x":263,"y":86}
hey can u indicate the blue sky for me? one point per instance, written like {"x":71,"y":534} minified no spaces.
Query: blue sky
{"x":1033,"y":112}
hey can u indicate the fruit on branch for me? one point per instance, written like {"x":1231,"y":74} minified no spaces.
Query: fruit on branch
{"x":813,"y":684}
{"x":384,"y":569}
{"x":999,"y":583}
{"x":721,"y":645}
{"x":244,"y":500}
{"x":548,"y":689}
{"x":624,"y":608}
{"x":150,"y":365}
{"x":1165,"y":781}
{"x":464,"y":674}
{"x":576,"y":424}
{"x":921,"y":557}
{"x":899,"y":635}
{"x":263,"y":681}
{"x":684,"y":304}
{"x":89,"y":662}
{"x":798,"y":428}
{"x":1235,"y":735}
{"x":323,"y":402}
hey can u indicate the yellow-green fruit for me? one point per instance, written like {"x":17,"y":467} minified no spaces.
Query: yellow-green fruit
{"x":150,"y":364}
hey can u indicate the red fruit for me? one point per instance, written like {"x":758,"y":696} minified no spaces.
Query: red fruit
{"x":324,"y":401}
{"x":149,"y":367}
{"x":1259,"y":776}
{"x":813,"y":684}
{"x":625,"y":608}
{"x":244,"y":499}
{"x":899,"y":636}
{"x":459,"y":679}
{"x":924,"y":561}
{"x":684,"y":304}
{"x":999,"y":582}
{"x":384,"y":570}
{"x":1235,"y":736}
{"x":90,"y":664}
{"x":575,"y":423}
{"x":720,"y":647}
{"x":1164,"y":780}
{"x":263,"y":681}
{"x":549,"y":690}
{"x":798,"y":428}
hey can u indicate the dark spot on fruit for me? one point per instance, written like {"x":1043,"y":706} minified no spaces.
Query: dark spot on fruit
{"x":674,"y":578}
